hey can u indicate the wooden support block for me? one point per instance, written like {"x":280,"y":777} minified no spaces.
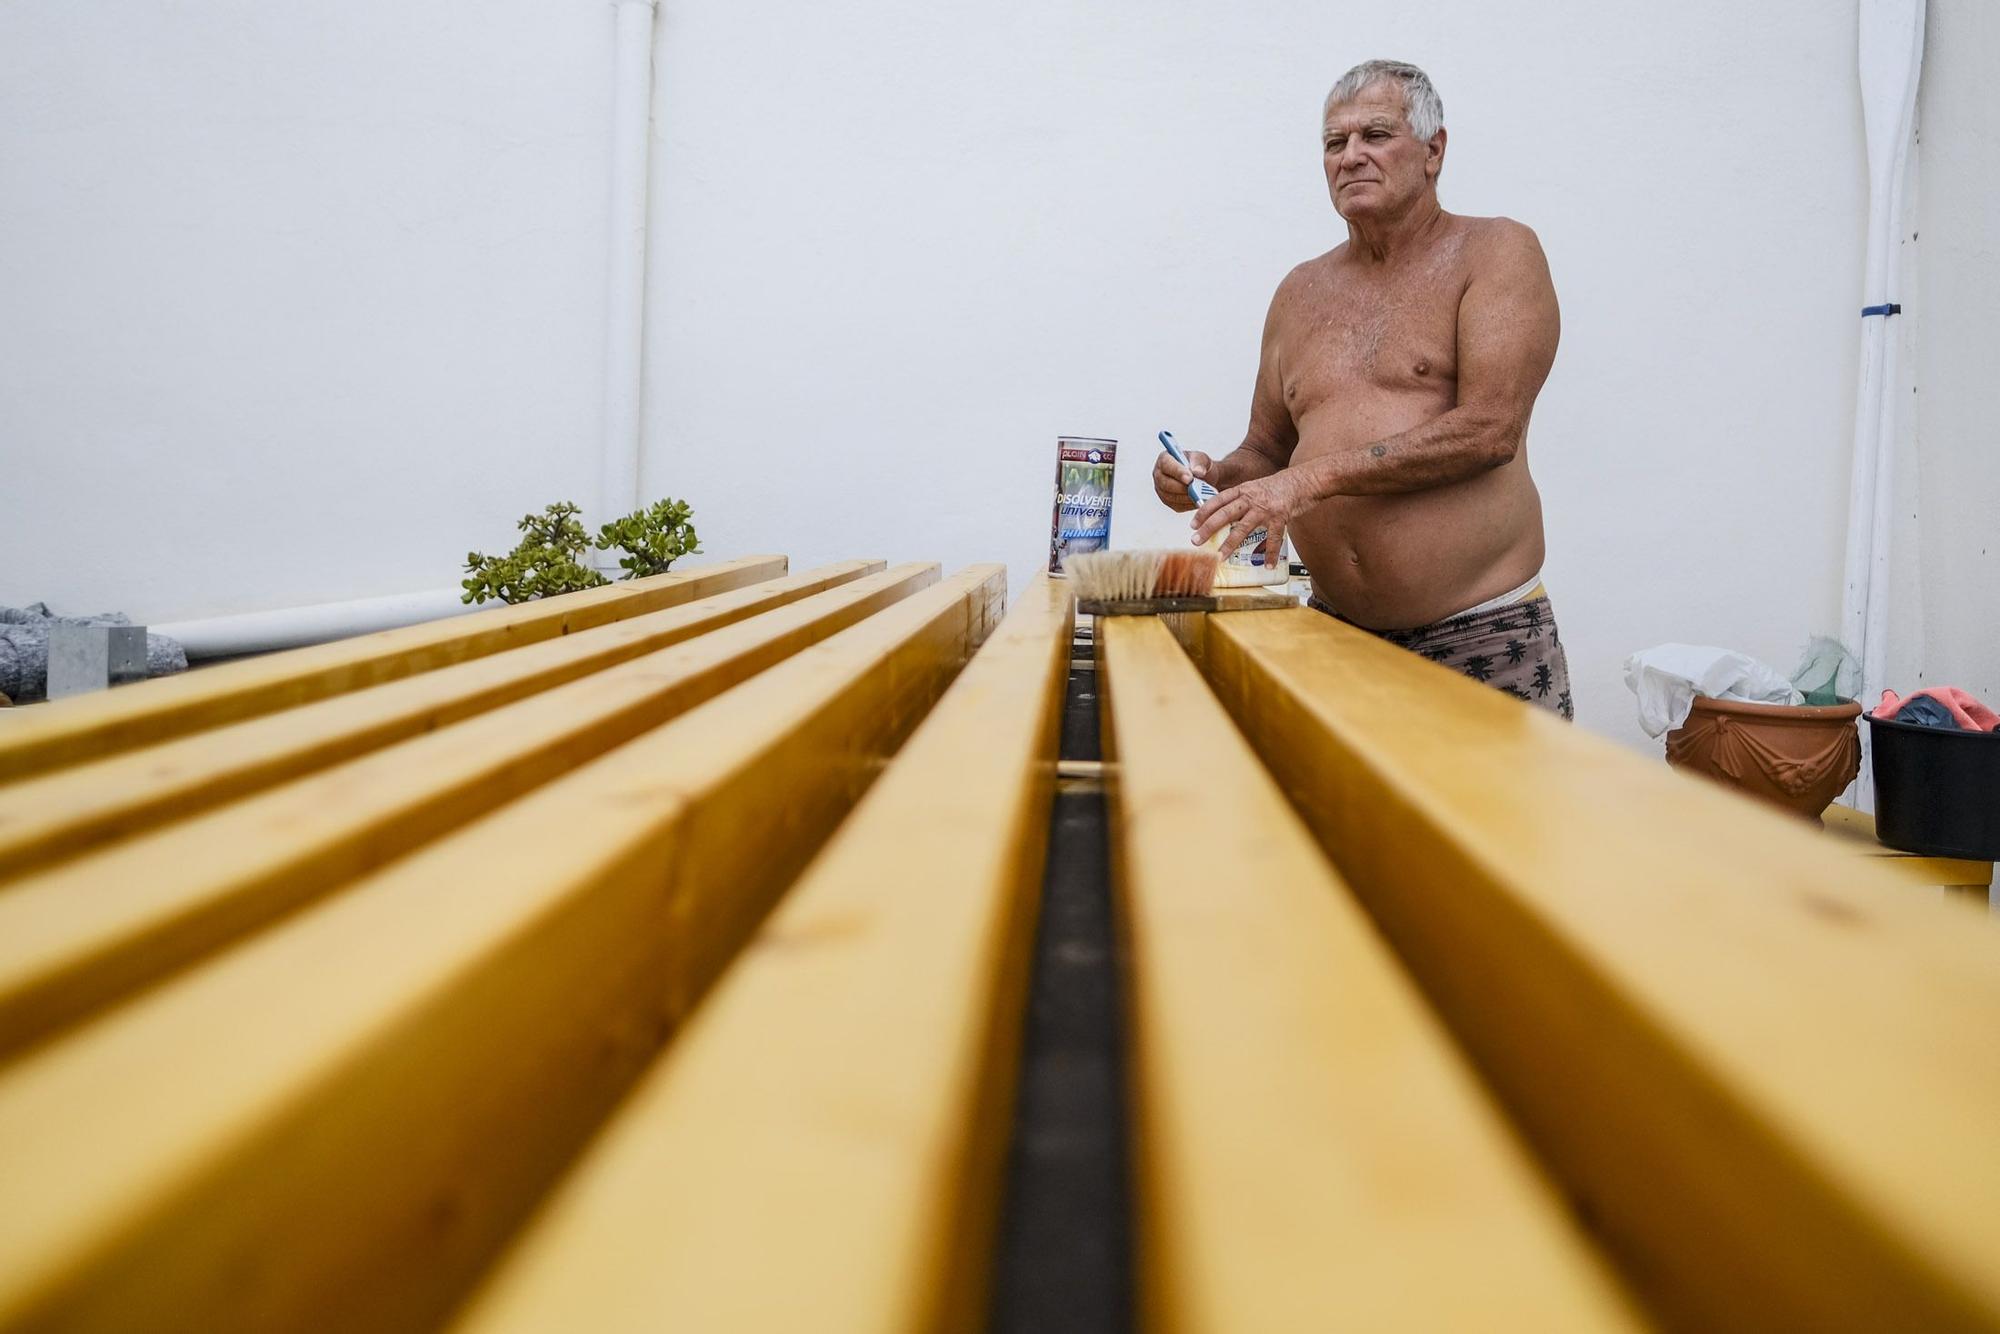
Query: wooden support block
{"x":87,"y":805}
{"x":1767,"y":1073}
{"x":334,"y":1125}
{"x":1312,"y":1151}
{"x":821,"y":1149}
{"x":87,"y":932}
{"x":72,"y":731}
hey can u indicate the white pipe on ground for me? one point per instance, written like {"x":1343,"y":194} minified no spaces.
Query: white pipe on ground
{"x":1890,"y":58}
{"x":296,"y":627}
{"x":631,"y":145}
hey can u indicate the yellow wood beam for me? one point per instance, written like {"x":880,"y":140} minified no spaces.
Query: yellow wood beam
{"x":87,"y":805}
{"x":1766,"y":1071}
{"x":71,"y":731}
{"x":821,"y":1149}
{"x":85,"y":933}
{"x":1854,"y":833}
{"x":1311,"y":1150}
{"x":335,"y":1124}
{"x":1951,"y":873}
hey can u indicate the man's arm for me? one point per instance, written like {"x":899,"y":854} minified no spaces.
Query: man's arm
{"x":1267,"y":444}
{"x":1508,"y":325}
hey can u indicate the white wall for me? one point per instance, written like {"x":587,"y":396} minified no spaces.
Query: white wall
{"x":297,"y":301}
{"x":901,"y":248}
{"x":279,"y":275}
{"x":1955,"y":309}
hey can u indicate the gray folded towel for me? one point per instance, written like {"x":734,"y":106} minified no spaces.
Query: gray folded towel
{"x":24,"y":649}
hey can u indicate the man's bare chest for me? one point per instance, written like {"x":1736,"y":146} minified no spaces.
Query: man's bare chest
{"x":1386,"y":338}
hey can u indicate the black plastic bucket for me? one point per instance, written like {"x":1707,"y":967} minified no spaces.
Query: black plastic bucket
{"x":1937,"y":791}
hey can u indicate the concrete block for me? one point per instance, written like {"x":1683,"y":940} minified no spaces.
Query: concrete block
{"x":83,"y":658}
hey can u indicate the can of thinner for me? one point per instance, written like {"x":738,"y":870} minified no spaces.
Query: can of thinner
{"x":1082,"y":519}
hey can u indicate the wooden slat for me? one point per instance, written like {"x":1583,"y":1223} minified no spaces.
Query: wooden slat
{"x":1854,"y":833}
{"x":1768,"y":1072}
{"x":86,"y":805}
{"x":71,"y":731}
{"x":91,"y":930}
{"x":1952,"y":873}
{"x":332,"y":1126}
{"x":1312,"y":1150}
{"x":821,"y":1149}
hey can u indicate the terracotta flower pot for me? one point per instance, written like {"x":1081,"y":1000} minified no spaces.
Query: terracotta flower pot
{"x":1797,"y":756}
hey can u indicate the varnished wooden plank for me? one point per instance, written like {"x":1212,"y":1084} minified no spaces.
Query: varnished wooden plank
{"x":821,"y":1149}
{"x":71,"y":731}
{"x":334,"y":1125}
{"x":1765,"y":1069}
{"x":1940,"y":872}
{"x":88,"y":805}
{"x":1312,"y":1150}
{"x":87,"y":932}
{"x":1854,"y":833}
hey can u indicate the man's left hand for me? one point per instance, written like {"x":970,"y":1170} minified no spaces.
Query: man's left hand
{"x":1267,"y":502}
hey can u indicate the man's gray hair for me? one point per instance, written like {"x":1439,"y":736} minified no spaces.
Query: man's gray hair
{"x":1421,"y":105}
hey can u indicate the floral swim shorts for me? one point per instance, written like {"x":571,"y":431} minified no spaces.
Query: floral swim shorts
{"x":1514,"y":648}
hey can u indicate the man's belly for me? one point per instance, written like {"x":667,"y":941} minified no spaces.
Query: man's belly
{"x":1399,"y":561}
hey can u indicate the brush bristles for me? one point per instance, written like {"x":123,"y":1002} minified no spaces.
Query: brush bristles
{"x":1186,"y":574}
{"x":1113,"y":576}
{"x":1129,"y":576}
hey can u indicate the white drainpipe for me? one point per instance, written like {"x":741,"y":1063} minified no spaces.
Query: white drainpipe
{"x":1891,"y":58}
{"x":295,"y":627}
{"x":625,"y":303}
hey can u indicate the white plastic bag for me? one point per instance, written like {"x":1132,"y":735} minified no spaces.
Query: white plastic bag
{"x":1667,"y":677}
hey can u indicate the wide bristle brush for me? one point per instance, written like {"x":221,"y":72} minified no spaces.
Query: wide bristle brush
{"x":1142,"y":583}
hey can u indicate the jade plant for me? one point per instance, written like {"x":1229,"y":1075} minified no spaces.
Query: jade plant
{"x":550,"y":558}
{"x":653,"y":539}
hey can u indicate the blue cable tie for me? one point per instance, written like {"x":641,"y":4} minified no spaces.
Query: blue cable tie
{"x":1891,"y":309}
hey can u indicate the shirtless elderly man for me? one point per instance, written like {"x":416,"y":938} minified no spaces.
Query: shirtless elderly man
{"x":1389,"y":422}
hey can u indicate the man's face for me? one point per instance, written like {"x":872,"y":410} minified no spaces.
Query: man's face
{"x":1375,"y":166}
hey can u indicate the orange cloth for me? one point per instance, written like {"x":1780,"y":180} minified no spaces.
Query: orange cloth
{"x":1970,"y":713}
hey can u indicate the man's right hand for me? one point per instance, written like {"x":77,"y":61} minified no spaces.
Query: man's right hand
{"x":1170,"y":480}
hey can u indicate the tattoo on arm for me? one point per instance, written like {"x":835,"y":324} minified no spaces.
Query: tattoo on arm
{"x":1379,"y":450}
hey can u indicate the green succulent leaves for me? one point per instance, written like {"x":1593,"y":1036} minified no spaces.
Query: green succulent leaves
{"x":653,"y":539}
{"x":550,"y":558}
